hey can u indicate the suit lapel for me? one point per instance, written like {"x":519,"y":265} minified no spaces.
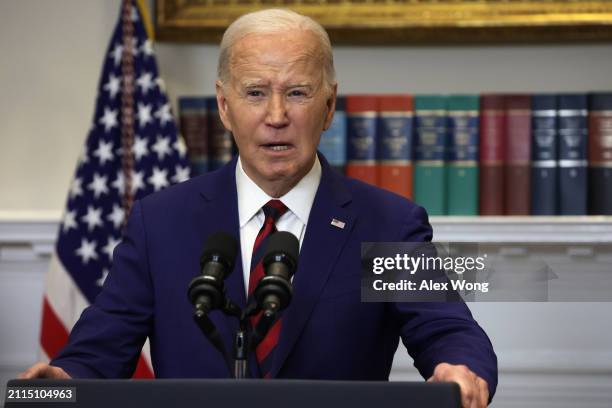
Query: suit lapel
{"x":323,"y":243}
{"x":221,"y":214}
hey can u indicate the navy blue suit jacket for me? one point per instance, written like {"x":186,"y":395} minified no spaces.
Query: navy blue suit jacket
{"x":327,"y":332}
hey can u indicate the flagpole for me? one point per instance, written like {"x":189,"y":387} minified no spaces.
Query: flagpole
{"x":127,"y":104}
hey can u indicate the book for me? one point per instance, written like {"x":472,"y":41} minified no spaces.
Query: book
{"x":544,"y":155}
{"x":220,"y":140}
{"x":430,"y":153}
{"x":600,"y":154}
{"x":193,"y":117}
{"x":361,"y":114}
{"x":573,"y":139}
{"x":517,"y":177}
{"x":462,"y":164}
{"x":492,"y":154}
{"x":333,"y":141}
{"x":394,"y":148}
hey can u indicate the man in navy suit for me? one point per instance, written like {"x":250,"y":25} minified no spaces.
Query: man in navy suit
{"x":276,"y":92}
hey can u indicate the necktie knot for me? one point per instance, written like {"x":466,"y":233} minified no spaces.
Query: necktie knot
{"x":273,"y":210}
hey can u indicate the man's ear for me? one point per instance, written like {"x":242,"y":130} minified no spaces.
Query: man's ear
{"x":222,"y":105}
{"x":331,"y":107}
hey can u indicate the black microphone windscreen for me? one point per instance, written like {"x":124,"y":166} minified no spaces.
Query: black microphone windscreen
{"x":283,"y":242}
{"x":223,"y":245}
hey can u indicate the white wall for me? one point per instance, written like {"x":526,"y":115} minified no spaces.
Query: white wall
{"x":51,"y":54}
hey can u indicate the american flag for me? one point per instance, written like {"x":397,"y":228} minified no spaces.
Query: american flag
{"x":132,"y":150}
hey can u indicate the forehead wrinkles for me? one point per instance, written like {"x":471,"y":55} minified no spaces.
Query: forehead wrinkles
{"x":282,"y":57}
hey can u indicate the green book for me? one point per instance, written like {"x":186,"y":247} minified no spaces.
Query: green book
{"x":462,"y":157}
{"x":430,"y":153}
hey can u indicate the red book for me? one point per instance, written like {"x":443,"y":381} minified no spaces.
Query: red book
{"x":492,"y":154}
{"x":517,"y":176}
{"x":394,"y":149}
{"x":600,"y":153}
{"x":361,"y":113}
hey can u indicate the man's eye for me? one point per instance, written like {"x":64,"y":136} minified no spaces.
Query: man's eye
{"x":297,"y":92}
{"x":254,"y":93}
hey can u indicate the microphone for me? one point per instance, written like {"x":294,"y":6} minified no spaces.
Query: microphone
{"x":274,"y":291}
{"x":206,"y":291}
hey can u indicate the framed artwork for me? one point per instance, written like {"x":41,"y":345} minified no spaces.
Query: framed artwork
{"x":363,"y":22}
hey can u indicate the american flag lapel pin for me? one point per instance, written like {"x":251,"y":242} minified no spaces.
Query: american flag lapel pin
{"x":337,"y":223}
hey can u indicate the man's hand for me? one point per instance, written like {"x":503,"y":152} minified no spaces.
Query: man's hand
{"x":42,"y":370}
{"x":474,"y":390}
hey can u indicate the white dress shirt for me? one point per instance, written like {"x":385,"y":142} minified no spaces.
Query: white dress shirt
{"x":251,"y":199}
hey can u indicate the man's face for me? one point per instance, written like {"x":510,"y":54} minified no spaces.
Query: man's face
{"x":276,"y":104}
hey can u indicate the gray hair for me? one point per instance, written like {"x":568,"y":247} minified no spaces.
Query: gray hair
{"x":274,"y":21}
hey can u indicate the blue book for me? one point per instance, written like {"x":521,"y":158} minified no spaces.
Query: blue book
{"x":220,"y":140}
{"x":333,"y":140}
{"x":600,"y":153}
{"x":361,"y":119}
{"x":544,"y":155}
{"x":573,"y":142}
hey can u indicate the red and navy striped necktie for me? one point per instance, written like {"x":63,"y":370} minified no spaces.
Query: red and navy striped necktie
{"x":273,"y":210}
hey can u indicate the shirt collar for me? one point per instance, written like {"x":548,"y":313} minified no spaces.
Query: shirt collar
{"x":299,"y":199}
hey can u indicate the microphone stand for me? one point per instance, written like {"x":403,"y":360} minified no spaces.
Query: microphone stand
{"x":244,"y":343}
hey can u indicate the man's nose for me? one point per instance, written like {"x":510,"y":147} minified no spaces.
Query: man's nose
{"x":277,"y":111}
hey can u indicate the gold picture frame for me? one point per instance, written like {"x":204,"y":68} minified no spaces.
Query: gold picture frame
{"x":363,"y":22}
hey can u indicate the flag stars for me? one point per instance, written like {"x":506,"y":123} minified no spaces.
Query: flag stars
{"x":83,"y":158}
{"x":159,"y":179}
{"x":163,"y":114}
{"x":134,"y":14}
{"x":162,"y":147}
{"x":116,"y":53}
{"x":180,"y":147}
{"x":69,"y":221}
{"x":109,"y":119}
{"x":98,"y":185}
{"x":119,"y":182}
{"x":137,"y":181}
{"x":134,"y":47}
{"x":104,"y":152}
{"x":145,"y":82}
{"x":140,"y":148}
{"x":116,"y":216}
{"x":76,"y":188}
{"x":161,"y":84}
{"x":144,"y":114}
{"x":181,"y":174}
{"x":93,"y":218}
{"x":110,"y":247}
{"x":87,"y":251}
{"x":113,"y":85}
{"x":147,"y":48}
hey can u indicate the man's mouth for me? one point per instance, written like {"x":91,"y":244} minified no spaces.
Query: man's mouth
{"x":277,"y":147}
